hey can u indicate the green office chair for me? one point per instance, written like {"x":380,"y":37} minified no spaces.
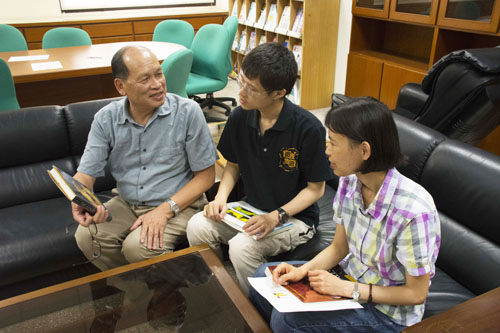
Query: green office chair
{"x":209,"y":71}
{"x":231,"y":25}
{"x":8,"y":99}
{"x":176,"y":68}
{"x":65,"y":37}
{"x":174,"y":31}
{"x":11,"y":39}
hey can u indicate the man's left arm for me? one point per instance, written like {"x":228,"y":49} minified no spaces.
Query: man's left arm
{"x":154,"y":222}
{"x":305,"y":198}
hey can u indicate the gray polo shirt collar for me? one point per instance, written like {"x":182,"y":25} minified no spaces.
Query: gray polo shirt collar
{"x":124,"y":114}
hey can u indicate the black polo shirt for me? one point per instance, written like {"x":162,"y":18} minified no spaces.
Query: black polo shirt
{"x":276,"y":166}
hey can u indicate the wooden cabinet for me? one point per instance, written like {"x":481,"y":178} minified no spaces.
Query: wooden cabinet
{"x":318,"y":41}
{"x":115,"y":30}
{"x":387,"y":52}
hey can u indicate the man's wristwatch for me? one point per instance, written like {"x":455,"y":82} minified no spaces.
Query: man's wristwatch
{"x":173,"y":206}
{"x":355,"y":292}
{"x":283,"y":215}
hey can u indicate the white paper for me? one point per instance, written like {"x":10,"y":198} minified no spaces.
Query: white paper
{"x":284,"y":301}
{"x":29,"y":58}
{"x":40,"y":66}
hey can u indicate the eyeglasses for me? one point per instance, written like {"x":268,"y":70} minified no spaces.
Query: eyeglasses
{"x":249,"y":91}
{"x":96,"y":246}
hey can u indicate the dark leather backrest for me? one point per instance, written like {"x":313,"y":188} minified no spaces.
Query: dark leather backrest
{"x":79,"y":117}
{"x":465,"y":184}
{"x":31,"y":141}
{"x":417,"y":143}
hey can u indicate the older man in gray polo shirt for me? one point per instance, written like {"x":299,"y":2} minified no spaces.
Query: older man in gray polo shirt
{"x":162,"y":156}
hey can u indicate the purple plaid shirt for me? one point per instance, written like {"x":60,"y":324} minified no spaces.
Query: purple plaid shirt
{"x":399,"y":232}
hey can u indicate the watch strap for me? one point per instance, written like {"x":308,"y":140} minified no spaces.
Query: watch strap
{"x":355,"y":292}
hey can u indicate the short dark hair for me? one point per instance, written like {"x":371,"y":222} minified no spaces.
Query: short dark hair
{"x":366,"y":119}
{"x":273,"y":64}
{"x":118,"y":67}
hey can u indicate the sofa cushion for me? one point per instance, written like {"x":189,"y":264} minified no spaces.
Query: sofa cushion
{"x":38,"y":238}
{"x":464,"y":182}
{"x":417,"y":143}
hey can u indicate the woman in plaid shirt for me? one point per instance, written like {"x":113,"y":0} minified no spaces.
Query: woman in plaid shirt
{"x":387,"y":232}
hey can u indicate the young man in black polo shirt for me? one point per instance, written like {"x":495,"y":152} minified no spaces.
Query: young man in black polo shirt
{"x":278,"y":148}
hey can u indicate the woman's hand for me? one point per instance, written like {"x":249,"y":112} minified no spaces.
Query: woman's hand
{"x":328,"y":284}
{"x":285,"y":272}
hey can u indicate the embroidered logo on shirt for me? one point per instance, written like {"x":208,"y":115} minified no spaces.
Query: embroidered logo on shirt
{"x":289,"y":159}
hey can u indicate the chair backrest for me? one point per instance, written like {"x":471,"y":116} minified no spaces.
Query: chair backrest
{"x":176,"y":68}
{"x":11,"y":39}
{"x":8,"y":99}
{"x":231,"y":25}
{"x":65,"y":37}
{"x":464,"y":94}
{"x":210,"y":52}
{"x":174,"y":31}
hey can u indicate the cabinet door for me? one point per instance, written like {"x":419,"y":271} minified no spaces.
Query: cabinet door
{"x":363,"y":76}
{"x":373,"y":8}
{"x":482,"y":15}
{"x":393,"y":78}
{"x":418,"y":11}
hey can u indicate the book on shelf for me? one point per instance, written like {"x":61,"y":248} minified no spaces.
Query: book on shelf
{"x":286,"y":44}
{"x":242,"y":46}
{"x":272,"y":18}
{"x":243,"y":13}
{"x":262,"y":39}
{"x":235,"y":42}
{"x":297,"y":52}
{"x":234,"y":12}
{"x":239,"y":212}
{"x":75,"y":191}
{"x":303,"y":291}
{"x":252,"y":13}
{"x":284,"y":23}
{"x":296,"y":30}
{"x":252,"y":41}
{"x":262,"y":20}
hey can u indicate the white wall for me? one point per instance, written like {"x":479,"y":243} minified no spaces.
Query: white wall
{"x":29,"y":11}
{"x":343,"y":40}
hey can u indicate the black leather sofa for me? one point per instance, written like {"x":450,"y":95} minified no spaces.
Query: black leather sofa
{"x":465,"y":184}
{"x":37,"y":247}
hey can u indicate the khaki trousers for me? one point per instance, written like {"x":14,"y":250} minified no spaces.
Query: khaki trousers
{"x":245,"y":253}
{"x":120,"y":246}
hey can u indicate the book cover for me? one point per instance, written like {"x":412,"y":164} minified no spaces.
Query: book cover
{"x":272,"y":18}
{"x":252,"y":14}
{"x":297,"y":52}
{"x":262,"y":20}
{"x":74,"y":190}
{"x":235,"y":42}
{"x":296,"y":30}
{"x":243,"y":13}
{"x":262,"y":39}
{"x":252,"y":42}
{"x":284,"y":23}
{"x":234,"y":12}
{"x":239,"y":212}
{"x":303,"y":291}
{"x":243,"y":41}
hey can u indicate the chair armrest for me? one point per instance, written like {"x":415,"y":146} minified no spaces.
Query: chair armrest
{"x":411,"y":100}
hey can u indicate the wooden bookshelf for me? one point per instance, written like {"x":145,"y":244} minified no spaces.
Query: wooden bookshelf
{"x":395,"y":42}
{"x":318,"y":40}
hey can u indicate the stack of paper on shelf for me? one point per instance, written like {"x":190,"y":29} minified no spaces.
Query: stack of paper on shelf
{"x":252,"y":14}
{"x":298,"y":23}
{"x":243,"y":41}
{"x":243,"y":13}
{"x":262,"y":20}
{"x":297,"y":52}
{"x":284,"y":23}
{"x":272,"y":18}
{"x":252,"y":42}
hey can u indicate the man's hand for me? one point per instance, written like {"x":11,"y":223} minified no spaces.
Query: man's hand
{"x":262,"y":224}
{"x":215,"y":210}
{"x":327,"y":284}
{"x":284,"y":273}
{"x":81,"y":216}
{"x":153,"y":224}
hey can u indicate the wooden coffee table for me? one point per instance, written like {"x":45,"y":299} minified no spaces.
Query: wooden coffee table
{"x":187,"y":290}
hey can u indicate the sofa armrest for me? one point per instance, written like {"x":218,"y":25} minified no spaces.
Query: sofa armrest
{"x":411,"y":100}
